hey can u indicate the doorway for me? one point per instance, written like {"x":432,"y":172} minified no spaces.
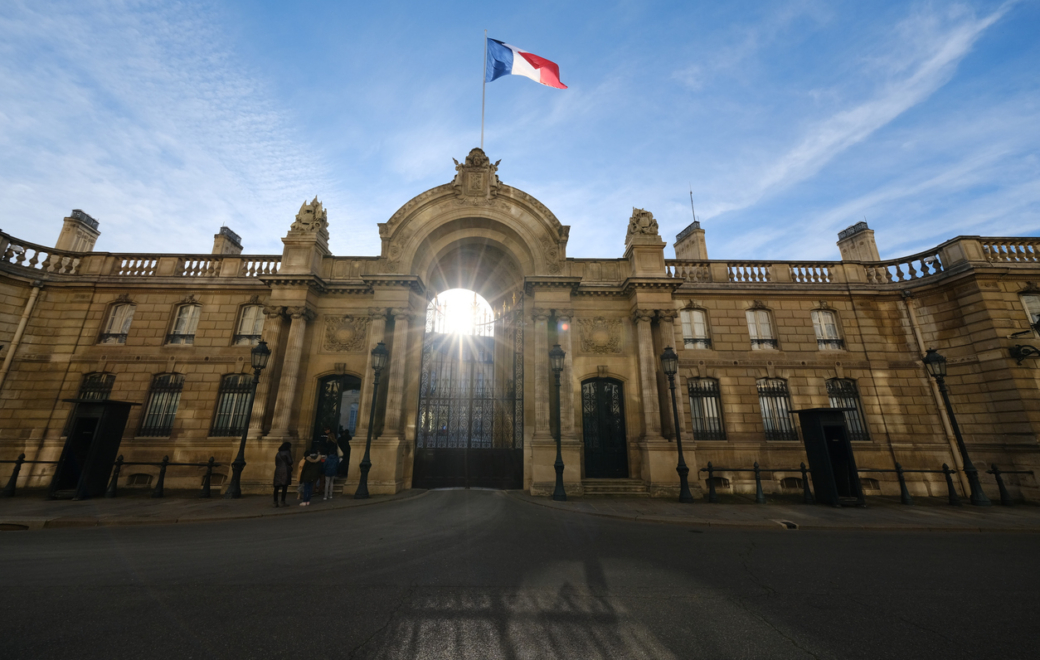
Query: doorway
{"x":603,"y":428}
{"x":337,"y":409}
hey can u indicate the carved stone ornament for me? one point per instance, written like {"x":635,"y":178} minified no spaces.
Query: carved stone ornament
{"x":273,"y":311}
{"x":1031,"y":287}
{"x":642,"y":222}
{"x":123,"y":299}
{"x":758,"y":304}
{"x":540,"y":314}
{"x":300,"y":313}
{"x":345,"y":334}
{"x":551,"y":252}
{"x":312,"y":218}
{"x":476,"y":180}
{"x":643,"y":315}
{"x":600,"y":336}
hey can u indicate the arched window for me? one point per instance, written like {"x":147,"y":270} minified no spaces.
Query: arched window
{"x":163,"y":398}
{"x":184,"y":324}
{"x":250,"y":326}
{"x":843,"y":394}
{"x":695,"y":328}
{"x":705,"y":409}
{"x":825,"y":323}
{"x":231,"y":416}
{"x":760,"y":327}
{"x":775,"y":402}
{"x":118,"y":324}
{"x":96,"y":386}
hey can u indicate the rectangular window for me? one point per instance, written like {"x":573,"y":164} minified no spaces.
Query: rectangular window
{"x":695,"y":328}
{"x":118,"y":325}
{"x":250,"y":326}
{"x":184,"y":325}
{"x":162,"y":405}
{"x":776,"y":409}
{"x":760,"y":327}
{"x":231,"y":417}
{"x":1032,"y":305}
{"x":96,"y":387}
{"x":843,"y":394}
{"x":825,"y":323}
{"x":706,"y":409}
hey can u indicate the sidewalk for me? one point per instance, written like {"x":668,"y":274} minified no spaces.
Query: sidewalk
{"x":31,"y":510}
{"x":881,"y":513}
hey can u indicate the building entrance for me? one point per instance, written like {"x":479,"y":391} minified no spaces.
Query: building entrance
{"x":337,"y":409}
{"x":471,"y":423}
{"x":603,"y":428}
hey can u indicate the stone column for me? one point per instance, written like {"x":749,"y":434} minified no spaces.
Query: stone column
{"x":648,"y":374}
{"x":565,"y":317}
{"x":377,"y":330}
{"x":271,"y":334}
{"x":541,"y":373}
{"x":398,"y":355}
{"x":283,"y":406}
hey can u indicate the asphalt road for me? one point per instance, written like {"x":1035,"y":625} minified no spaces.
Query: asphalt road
{"x":475,"y":574}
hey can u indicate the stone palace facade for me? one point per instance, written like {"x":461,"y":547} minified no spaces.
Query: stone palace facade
{"x":755,"y":339}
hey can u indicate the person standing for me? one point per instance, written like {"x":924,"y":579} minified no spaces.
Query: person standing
{"x":344,"y":449}
{"x":283,"y":463}
{"x":331,"y":469}
{"x":310,"y":470}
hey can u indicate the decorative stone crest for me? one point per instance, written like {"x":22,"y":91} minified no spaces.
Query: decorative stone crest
{"x":312,"y":218}
{"x":476,"y":180}
{"x":345,"y":334}
{"x":600,"y":336}
{"x":551,"y":252}
{"x":642,"y":222}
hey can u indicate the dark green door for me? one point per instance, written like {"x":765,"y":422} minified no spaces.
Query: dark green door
{"x":603,"y":429}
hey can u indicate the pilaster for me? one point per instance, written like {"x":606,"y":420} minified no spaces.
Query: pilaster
{"x":283,"y":407}
{"x":395,"y":385}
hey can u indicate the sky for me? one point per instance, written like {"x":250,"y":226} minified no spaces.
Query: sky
{"x":789,"y":121}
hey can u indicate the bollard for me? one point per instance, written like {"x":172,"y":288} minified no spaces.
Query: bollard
{"x":713,"y":497}
{"x":13,"y":481}
{"x":113,"y":486}
{"x":760,"y":498}
{"x":954,"y":500}
{"x":206,"y":479}
{"x":158,"y":492}
{"x":904,"y":494}
{"x":1005,"y":496}
{"x":807,"y":496}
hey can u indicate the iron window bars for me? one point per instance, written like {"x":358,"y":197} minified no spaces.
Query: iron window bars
{"x":775,"y":402}
{"x":96,"y":386}
{"x":232,"y":415}
{"x":843,"y":394}
{"x":162,"y":405}
{"x":706,"y":409}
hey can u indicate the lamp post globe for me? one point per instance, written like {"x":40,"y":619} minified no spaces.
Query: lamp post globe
{"x":258,"y":358}
{"x":936,"y":365}
{"x":670,"y":365}
{"x":556,"y":361}
{"x":379,"y":356}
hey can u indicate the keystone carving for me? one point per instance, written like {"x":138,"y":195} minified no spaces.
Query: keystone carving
{"x":600,"y":336}
{"x":476,"y":180}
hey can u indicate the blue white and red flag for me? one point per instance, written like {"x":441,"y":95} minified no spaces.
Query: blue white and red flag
{"x":504,"y":60}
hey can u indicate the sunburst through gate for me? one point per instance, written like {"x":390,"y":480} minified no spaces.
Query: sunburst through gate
{"x":471,"y":409}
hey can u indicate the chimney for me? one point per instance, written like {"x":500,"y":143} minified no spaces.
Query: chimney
{"x":227,"y":242}
{"x":690,"y":244}
{"x":79,"y":233}
{"x":857,"y":243}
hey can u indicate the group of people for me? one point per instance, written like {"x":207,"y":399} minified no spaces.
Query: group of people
{"x":326,"y":459}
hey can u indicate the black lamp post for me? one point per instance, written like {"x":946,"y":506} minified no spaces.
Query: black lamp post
{"x":258,"y":357}
{"x":379,"y":358}
{"x":670,"y":364}
{"x":556,"y":356}
{"x":936,"y":364}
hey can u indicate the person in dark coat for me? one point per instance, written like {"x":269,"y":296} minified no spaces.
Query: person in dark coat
{"x":283,"y":464}
{"x":310,"y":469}
{"x":344,"y":447}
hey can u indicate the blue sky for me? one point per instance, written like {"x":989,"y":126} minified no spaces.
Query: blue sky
{"x":790,"y":120}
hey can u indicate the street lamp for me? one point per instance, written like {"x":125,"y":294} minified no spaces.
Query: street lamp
{"x":936,"y":365}
{"x":670,"y":364}
{"x":258,"y":357}
{"x":556,"y":356}
{"x":379,"y":358}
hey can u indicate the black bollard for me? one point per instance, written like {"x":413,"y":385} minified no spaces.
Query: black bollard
{"x":713,"y":497}
{"x":158,"y":492}
{"x":807,"y":495}
{"x":760,"y":497}
{"x":1005,"y":496}
{"x":904,"y":494}
{"x":207,"y":479}
{"x":113,"y":486}
{"x":954,"y":500}
{"x":13,"y":481}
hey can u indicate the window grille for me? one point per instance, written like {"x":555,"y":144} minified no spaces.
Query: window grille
{"x":184,"y":325}
{"x":843,"y":394}
{"x":776,"y":409}
{"x":250,"y":326}
{"x":162,"y":405}
{"x":118,"y":325}
{"x":760,"y":327}
{"x":96,"y":386}
{"x":706,"y":409}
{"x":695,"y":328}
{"x":825,"y":323}
{"x":232,"y":414}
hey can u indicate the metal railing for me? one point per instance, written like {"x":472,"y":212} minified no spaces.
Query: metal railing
{"x":113,"y":485}
{"x":9,"y":489}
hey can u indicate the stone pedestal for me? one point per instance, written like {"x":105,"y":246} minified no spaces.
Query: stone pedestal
{"x":543,"y":474}
{"x":387,"y":474}
{"x":659,"y":461}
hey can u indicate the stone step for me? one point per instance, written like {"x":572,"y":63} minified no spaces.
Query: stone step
{"x":627,"y":487}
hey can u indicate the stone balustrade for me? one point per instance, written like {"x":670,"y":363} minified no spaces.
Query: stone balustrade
{"x":37,"y":257}
{"x":1011,"y":250}
{"x":907,"y":269}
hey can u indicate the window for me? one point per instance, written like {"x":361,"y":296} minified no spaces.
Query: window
{"x":760,"y":326}
{"x":250,"y":325}
{"x":706,"y":409}
{"x":162,"y":405}
{"x":776,"y":409}
{"x":695,"y":328}
{"x":1032,"y":305}
{"x":118,"y":325}
{"x":825,"y":322}
{"x":843,"y":394}
{"x":96,"y":387}
{"x":184,"y":325}
{"x":232,"y":414}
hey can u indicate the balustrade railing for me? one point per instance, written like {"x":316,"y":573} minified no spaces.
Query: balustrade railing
{"x":694,"y":272}
{"x":38,"y":257}
{"x":200,"y":267}
{"x":260,"y":265}
{"x":1016,"y":250}
{"x":907,"y":269}
{"x":136,"y":265}
{"x":749,"y":271}
{"x":819,"y":273}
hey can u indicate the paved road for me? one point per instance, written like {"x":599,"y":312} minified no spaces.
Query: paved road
{"x":476,"y":574}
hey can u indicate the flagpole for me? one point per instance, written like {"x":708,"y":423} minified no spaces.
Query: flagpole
{"x":483,"y":93}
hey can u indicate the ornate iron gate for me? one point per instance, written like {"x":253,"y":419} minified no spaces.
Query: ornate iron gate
{"x":471,"y":409}
{"x":603,"y":428}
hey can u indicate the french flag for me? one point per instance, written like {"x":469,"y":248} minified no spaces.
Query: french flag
{"x":503,"y":60}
